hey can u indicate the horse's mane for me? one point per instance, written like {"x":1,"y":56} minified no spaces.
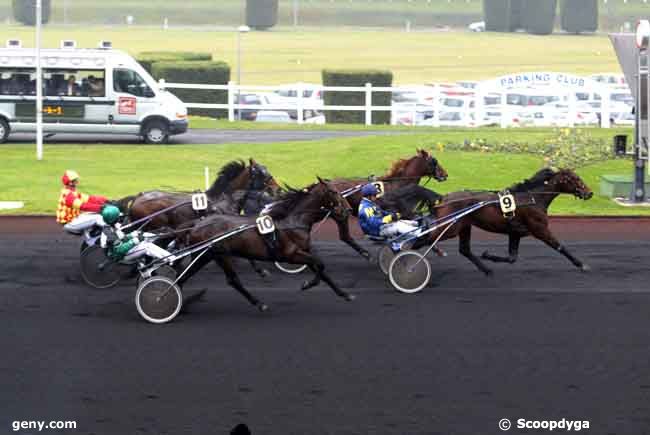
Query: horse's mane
{"x":229,"y":172}
{"x":534,"y":182}
{"x":288,"y":201}
{"x":397,"y":167}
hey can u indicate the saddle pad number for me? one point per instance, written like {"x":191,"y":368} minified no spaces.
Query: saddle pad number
{"x":265,"y":224}
{"x":199,"y":201}
{"x":380,"y":188}
{"x":507,"y":203}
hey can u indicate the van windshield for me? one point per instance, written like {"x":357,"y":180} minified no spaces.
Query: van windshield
{"x":129,"y":82}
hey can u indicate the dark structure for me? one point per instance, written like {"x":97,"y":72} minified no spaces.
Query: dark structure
{"x":580,"y":16}
{"x":261,"y":14}
{"x":502,"y":15}
{"x":539,"y":16}
{"x":25,"y":11}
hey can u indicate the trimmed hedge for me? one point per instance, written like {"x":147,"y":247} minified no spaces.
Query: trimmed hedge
{"x":356,"y":78}
{"x":25,"y":11}
{"x":148,"y":58}
{"x":261,"y":14}
{"x":580,"y":16}
{"x":213,"y":73}
{"x":502,"y":15}
{"x":539,"y":16}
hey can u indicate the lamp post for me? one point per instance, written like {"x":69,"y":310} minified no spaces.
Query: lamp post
{"x":39,"y":83}
{"x":240,"y":30}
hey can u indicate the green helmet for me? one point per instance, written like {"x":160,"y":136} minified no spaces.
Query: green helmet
{"x":110,"y":214}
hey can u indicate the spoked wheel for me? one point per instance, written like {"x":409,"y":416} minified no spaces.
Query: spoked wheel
{"x":384,"y":258}
{"x":290,"y":268}
{"x":386,"y":255}
{"x":166,"y":271}
{"x":98,"y":270}
{"x":158,"y":300}
{"x":409,"y":272}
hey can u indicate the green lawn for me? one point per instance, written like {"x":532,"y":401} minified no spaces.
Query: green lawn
{"x":278,"y":56}
{"x":116,"y":171}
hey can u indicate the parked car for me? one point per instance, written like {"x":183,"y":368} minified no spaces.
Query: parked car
{"x":249,"y":99}
{"x":273,"y":116}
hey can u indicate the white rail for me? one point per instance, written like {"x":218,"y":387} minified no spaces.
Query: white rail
{"x":300,"y":104}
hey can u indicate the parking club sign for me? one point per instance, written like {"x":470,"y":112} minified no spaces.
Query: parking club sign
{"x":540,"y":78}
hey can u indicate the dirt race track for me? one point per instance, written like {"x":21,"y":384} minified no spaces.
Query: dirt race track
{"x":539,"y":340}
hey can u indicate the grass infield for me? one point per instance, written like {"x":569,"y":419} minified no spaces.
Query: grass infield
{"x":119,"y":170}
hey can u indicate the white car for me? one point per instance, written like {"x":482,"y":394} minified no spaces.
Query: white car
{"x":478,"y":26}
{"x":273,"y":116}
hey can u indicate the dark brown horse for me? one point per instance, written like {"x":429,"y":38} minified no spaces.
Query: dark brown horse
{"x":533,"y":197}
{"x":293,"y":215}
{"x":234,"y":176}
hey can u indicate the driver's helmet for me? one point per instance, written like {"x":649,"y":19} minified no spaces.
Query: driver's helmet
{"x":369,"y":190}
{"x":69,"y":176}
{"x":110,"y":214}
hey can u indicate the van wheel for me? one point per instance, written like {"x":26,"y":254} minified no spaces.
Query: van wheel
{"x":155,"y":132}
{"x":4,"y":130}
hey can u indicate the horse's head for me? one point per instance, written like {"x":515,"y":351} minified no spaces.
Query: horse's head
{"x":567,"y":181}
{"x":260,"y":178}
{"x":332,"y":201}
{"x":425,"y":165}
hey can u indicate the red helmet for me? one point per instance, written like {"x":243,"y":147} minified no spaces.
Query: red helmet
{"x":68,"y":177}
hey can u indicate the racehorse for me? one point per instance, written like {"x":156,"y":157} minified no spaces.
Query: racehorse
{"x":293,"y":215}
{"x":234,"y":176}
{"x":403,"y":172}
{"x":532,"y":196}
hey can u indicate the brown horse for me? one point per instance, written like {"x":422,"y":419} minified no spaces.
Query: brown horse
{"x":293,"y":215}
{"x":533,"y":197}
{"x":403,"y":172}
{"x":234,"y":176}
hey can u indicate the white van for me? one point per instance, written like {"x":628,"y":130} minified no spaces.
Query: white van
{"x":85,"y":91}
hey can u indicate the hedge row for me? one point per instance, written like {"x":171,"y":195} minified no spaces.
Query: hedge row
{"x":201,"y":72}
{"x":190,"y":67}
{"x":25,"y":11}
{"x":538,"y":16}
{"x":355,"y":78}
{"x":148,"y":58}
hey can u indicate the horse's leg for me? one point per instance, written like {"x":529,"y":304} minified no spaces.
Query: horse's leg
{"x":259,"y":270}
{"x":544,"y":234}
{"x":344,"y":235}
{"x":233,"y":280}
{"x":317,"y":266}
{"x":513,"y":251}
{"x":464,"y":247}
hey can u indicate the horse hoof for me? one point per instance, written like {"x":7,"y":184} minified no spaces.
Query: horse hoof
{"x":442,"y":253}
{"x":262,"y":307}
{"x":349,"y":297}
{"x":585,"y":268}
{"x":489,"y":272}
{"x":265,"y":273}
{"x":366,"y":255}
{"x":485,"y":255}
{"x":305,"y":285}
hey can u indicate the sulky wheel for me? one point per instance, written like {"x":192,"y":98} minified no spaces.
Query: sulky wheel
{"x":158,"y":300}
{"x":384,"y":258}
{"x":290,"y":268}
{"x":166,"y":271}
{"x":409,"y":272}
{"x":98,"y":270}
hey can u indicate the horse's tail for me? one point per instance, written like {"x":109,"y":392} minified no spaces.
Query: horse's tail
{"x":125,"y":203}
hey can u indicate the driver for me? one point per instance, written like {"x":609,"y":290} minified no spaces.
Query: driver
{"x":73,"y":202}
{"x":376,"y":222}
